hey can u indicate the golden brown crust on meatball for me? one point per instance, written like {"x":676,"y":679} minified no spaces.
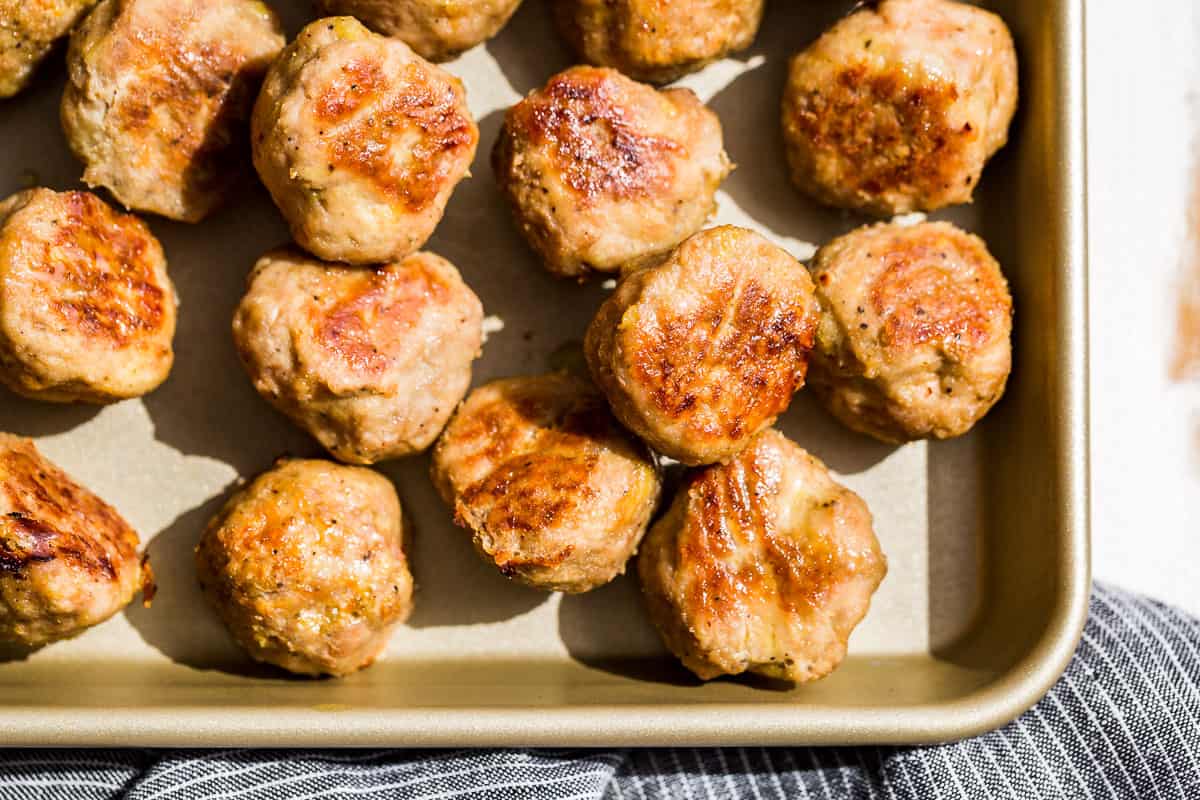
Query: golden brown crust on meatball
{"x":28,"y":29}
{"x":67,"y":559}
{"x":898,"y":107}
{"x":370,"y":360}
{"x":601,"y":171}
{"x":435,"y":29}
{"x":763,"y":564}
{"x":702,"y":351}
{"x":306,"y":566}
{"x":657,"y":40}
{"x":915,"y":332}
{"x":87,"y":312}
{"x":556,"y":494}
{"x":360,"y":142}
{"x":159,"y":95}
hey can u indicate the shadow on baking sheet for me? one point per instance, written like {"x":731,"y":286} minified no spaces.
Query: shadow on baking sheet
{"x":526,"y":67}
{"x":34,"y":419}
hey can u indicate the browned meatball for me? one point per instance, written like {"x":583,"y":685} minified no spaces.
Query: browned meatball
{"x":435,"y":29}
{"x":702,"y":351}
{"x":602,"y":172}
{"x":370,"y":360}
{"x":657,"y":40}
{"x":763,"y":564}
{"x":898,"y":106}
{"x":87,"y":312}
{"x":28,"y":29}
{"x":67,"y":559}
{"x":158,"y":98}
{"x":360,"y":142}
{"x":915,"y":332}
{"x":556,"y":494}
{"x":306,"y":566}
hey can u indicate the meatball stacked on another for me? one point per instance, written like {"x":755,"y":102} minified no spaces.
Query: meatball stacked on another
{"x":87,"y":312}
{"x":435,"y":29}
{"x":369,"y":360}
{"x":68,"y":560}
{"x":28,"y":29}
{"x":915,"y":331}
{"x":360,"y":142}
{"x":702,"y":351}
{"x":898,"y":107}
{"x":763,"y":564}
{"x":159,"y":95}
{"x":306,"y":566}
{"x":556,"y":494}
{"x":602,"y":172}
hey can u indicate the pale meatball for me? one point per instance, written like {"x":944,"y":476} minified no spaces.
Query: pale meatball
{"x":603,"y":172}
{"x":763,"y":564}
{"x":159,"y":95}
{"x":702,"y":351}
{"x":306,"y":566}
{"x":435,"y":29}
{"x":67,"y":559}
{"x":369,"y":360}
{"x":360,"y":141}
{"x":28,"y":29}
{"x":898,"y":107}
{"x":87,"y":312}
{"x":554,"y":492}
{"x":915,"y":331}
{"x":657,"y":40}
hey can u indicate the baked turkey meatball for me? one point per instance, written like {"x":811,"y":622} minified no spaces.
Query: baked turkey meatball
{"x":763,"y":564}
{"x":657,"y":40}
{"x":435,"y":29}
{"x":158,"y":98}
{"x":306,"y":566}
{"x":602,"y":171}
{"x":554,"y":492}
{"x":915,"y":329}
{"x":87,"y":312}
{"x":360,"y":141}
{"x":369,"y":360}
{"x":703,"y":350}
{"x":28,"y":29}
{"x":897,"y":107}
{"x":67,"y":559}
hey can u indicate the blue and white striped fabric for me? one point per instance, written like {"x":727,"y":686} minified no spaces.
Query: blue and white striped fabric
{"x":1123,"y":722}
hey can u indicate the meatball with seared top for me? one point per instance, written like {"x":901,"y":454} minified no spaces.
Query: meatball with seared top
{"x":703,"y":350}
{"x":159,"y":96}
{"x":657,"y":40}
{"x":28,"y":29}
{"x":602,"y":172}
{"x":915,"y":331}
{"x":360,"y":142}
{"x":763,"y":564}
{"x":369,"y":360}
{"x":435,"y":29}
{"x":554,"y":491}
{"x":306,"y":566}
{"x":67,"y":559}
{"x":87,"y":312}
{"x":898,"y":107}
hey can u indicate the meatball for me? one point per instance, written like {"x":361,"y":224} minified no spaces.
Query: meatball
{"x":360,"y":141}
{"x":67,"y":559}
{"x":898,"y":106}
{"x":158,"y":98}
{"x":556,"y":494}
{"x":306,"y":566}
{"x":369,"y":360}
{"x":435,"y":29}
{"x":763,"y":564}
{"x":702,"y":351}
{"x":603,"y":172}
{"x":87,"y":312}
{"x":28,"y":29}
{"x":657,"y":40}
{"x":915,"y":329}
